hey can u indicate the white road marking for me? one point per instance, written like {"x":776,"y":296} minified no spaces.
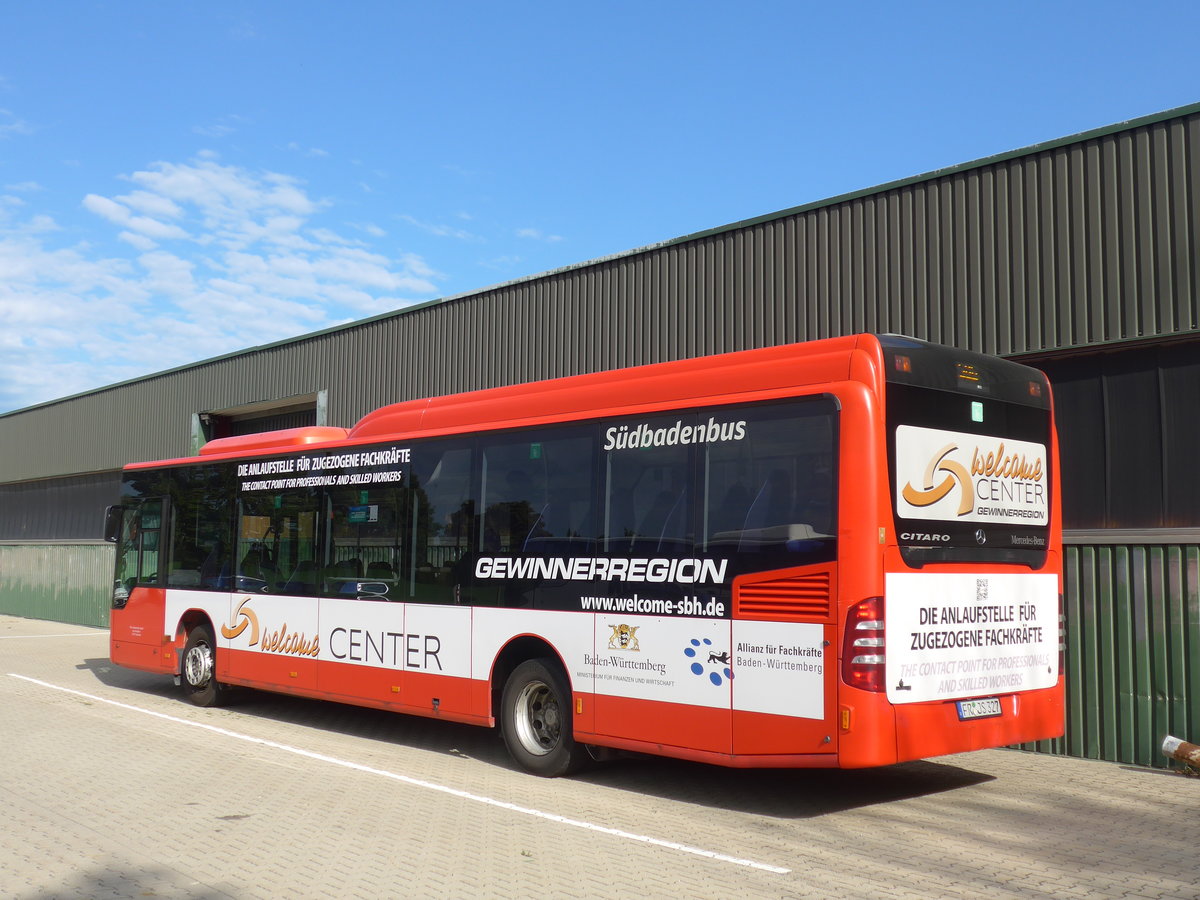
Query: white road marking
{"x":25,"y":637}
{"x":427,"y":785}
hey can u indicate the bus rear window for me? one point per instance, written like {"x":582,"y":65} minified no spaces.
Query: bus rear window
{"x":970,"y":477}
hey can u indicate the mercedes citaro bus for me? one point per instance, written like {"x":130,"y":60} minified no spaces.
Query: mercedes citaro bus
{"x":841,"y":553}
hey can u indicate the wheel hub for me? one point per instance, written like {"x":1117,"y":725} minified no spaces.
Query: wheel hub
{"x":539,"y":721}
{"x":198,"y":665}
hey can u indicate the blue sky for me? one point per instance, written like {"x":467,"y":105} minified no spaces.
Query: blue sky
{"x":180,"y":180}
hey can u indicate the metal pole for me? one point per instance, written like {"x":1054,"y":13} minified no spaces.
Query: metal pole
{"x":1181,"y":750}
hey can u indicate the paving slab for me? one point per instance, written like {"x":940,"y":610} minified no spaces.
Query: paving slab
{"x":111,"y":785}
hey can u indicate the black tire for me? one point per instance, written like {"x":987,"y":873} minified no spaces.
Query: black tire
{"x":198,"y":669}
{"x":536,"y":720}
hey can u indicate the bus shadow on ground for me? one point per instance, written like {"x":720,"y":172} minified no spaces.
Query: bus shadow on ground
{"x":365,"y":723}
{"x":783,"y":793}
{"x":111,"y":675}
{"x":780,"y":793}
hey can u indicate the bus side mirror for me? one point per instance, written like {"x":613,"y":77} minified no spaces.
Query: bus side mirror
{"x":113,"y":516}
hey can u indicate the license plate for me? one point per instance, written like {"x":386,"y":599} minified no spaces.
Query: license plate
{"x":985,"y":708}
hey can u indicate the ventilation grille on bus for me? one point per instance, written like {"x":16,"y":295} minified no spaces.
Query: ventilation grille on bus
{"x":801,"y":597}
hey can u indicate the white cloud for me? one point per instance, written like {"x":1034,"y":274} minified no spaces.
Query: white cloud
{"x":40,"y":224}
{"x":440,"y":230}
{"x":10,"y":124}
{"x":223,"y":127}
{"x":536,"y":234}
{"x":224,"y":194}
{"x":152,"y":204}
{"x":213,"y":131}
{"x":501,"y":263}
{"x":66,"y":313}
{"x":168,"y":275}
{"x":137,"y":241}
{"x":109,"y":209}
{"x":313,"y":152}
{"x":119,"y":214}
{"x":326,"y":236}
{"x":222,"y":259}
{"x":415,"y":264}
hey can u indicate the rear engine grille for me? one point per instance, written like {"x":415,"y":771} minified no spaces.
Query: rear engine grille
{"x":786,"y":599}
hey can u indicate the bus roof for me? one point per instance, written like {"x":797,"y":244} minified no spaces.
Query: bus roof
{"x":744,"y":374}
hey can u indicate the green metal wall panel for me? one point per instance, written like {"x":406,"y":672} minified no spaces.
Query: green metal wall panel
{"x":1132,"y":652}
{"x":61,"y":582}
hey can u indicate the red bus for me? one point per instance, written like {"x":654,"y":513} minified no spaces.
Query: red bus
{"x":839,"y":553}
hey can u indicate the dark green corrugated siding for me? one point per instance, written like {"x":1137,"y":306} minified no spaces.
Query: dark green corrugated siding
{"x":1133,"y":651}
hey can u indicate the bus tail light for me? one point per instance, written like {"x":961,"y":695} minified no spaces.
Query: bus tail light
{"x":864,"y":650}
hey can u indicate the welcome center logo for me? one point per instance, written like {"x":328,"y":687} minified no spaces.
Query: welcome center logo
{"x":956,"y":473}
{"x":996,"y":479}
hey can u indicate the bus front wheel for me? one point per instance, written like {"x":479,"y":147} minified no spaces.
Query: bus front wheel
{"x":536,"y":720}
{"x":198,"y":669}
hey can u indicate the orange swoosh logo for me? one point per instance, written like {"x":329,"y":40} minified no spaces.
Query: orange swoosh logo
{"x":931,"y":493}
{"x":248,"y":618}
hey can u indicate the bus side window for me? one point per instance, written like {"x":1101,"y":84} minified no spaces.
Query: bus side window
{"x":276,"y":549}
{"x":364,"y":553}
{"x":648,"y":488}
{"x":774,"y":491}
{"x":200,"y":524}
{"x":254,"y":556}
{"x":537,"y":490}
{"x":296,"y":530}
{"x":444,"y":521}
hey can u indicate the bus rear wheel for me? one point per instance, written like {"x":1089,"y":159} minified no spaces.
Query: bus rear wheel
{"x":198,"y":669}
{"x":536,"y":720}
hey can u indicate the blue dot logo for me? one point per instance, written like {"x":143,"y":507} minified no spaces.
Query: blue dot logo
{"x":706,"y":661}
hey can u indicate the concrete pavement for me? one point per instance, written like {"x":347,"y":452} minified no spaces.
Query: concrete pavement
{"x":112,"y":786}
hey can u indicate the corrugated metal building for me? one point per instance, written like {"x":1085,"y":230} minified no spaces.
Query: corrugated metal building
{"x":1079,"y":256}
